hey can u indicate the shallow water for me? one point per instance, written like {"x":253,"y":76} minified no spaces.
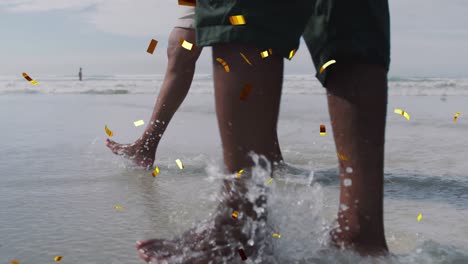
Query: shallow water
{"x":59,"y":184}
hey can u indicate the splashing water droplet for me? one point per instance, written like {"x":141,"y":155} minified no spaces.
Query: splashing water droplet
{"x":347,"y":182}
{"x":343,"y":207}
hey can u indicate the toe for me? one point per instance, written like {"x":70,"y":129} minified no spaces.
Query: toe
{"x":114,"y":147}
{"x":140,"y":244}
{"x":110,"y":144}
{"x":143,"y":255}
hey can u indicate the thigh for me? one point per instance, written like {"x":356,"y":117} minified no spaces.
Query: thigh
{"x":348,"y":32}
{"x":178,"y":56}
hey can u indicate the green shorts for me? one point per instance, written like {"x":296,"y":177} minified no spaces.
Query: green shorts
{"x":347,"y":31}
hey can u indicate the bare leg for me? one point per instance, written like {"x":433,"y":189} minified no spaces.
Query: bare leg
{"x":245,"y":126}
{"x":177,"y":81}
{"x":357,"y":100}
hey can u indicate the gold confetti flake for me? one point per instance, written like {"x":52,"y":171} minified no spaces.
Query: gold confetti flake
{"x":235,"y":214}
{"x":328,"y":63}
{"x":225,"y":65}
{"x":269,"y":181}
{"x":342,"y":157}
{"x":277,"y":235}
{"x":419,"y":217}
{"x":245,"y":58}
{"x":186,"y":45}
{"x":152,"y":46}
{"x":14,"y":262}
{"x":108,"y":131}
{"x":156,"y":171}
{"x":187,"y":2}
{"x":323,"y":131}
{"x":179,"y":163}
{"x":266,"y":53}
{"x":456,"y":116}
{"x":240,"y":173}
{"x":237,"y":20}
{"x":29,"y":79}
{"x":118,"y":207}
{"x":292,"y":53}
{"x":139,"y":123}
{"x":58,"y":258}
{"x":245,"y":92}
{"x":403,"y":113}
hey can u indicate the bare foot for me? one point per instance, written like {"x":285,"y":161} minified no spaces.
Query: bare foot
{"x":142,"y":154}
{"x":192,"y":247}
{"x":221,"y":239}
{"x":147,"y":250}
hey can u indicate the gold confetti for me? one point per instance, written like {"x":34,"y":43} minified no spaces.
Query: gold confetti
{"x":277,"y":235}
{"x":323,"y":132}
{"x":108,"y":131}
{"x":237,"y":20}
{"x":225,"y":65}
{"x":58,"y":258}
{"x":342,"y":157}
{"x":240,"y":173}
{"x":186,"y":45}
{"x":235,"y":214}
{"x":266,"y":53}
{"x":292,"y":53}
{"x":179,"y":163}
{"x":403,"y":113}
{"x":139,"y":123}
{"x":328,"y":63}
{"x":26,"y":76}
{"x":269,"y":181}
{"x":156,"y":171}
{"x":118,"y":207}
{"x":152,"y":46}
{"x":14,"y":261}
{"x":419,"y":217}
{"x":245,"y":92}
{"x":456,"y":116}
{"x":245,"y":58}
{"x":187,"y":2}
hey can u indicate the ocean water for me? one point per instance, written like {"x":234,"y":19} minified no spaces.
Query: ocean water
{"x":59,"y":183}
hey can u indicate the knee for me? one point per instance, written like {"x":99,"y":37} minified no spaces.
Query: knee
{"x":180,"y":58}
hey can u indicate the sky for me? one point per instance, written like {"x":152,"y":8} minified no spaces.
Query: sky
{"x":56,"y":37}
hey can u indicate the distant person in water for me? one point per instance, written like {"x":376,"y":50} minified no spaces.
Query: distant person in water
{"x":177,"y":81}
{"x":354,"y":34}
{"x":80,"y":75}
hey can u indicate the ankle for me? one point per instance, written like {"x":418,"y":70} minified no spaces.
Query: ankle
{"x":355,"y":226}
{"x":149,"y":140}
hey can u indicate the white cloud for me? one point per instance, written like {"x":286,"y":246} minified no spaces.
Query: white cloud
{"x":148,"y":17}
{"x":427,"y":35}
{"x":125,"y":17}
{"x":45,"y":5}
{"x":143,"y":17}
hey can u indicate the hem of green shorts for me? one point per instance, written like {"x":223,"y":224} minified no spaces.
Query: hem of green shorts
{"x":329,"y":53}
{"x":221,"y":34}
